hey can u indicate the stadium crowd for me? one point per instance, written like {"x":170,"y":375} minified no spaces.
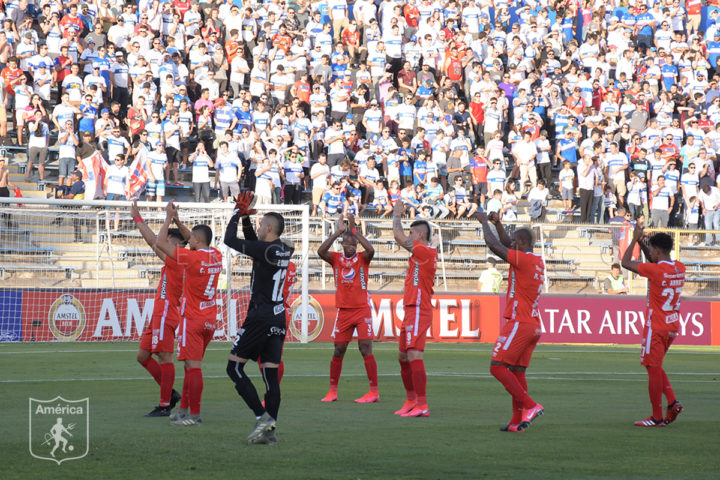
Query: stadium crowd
{"x":449,"y":107}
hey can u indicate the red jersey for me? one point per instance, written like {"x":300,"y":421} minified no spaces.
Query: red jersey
{"x":64,"y":63}
{"x":10,"y":75}
{"x":283,"y":42}
{"x":290,"y":277}
{"x":231,"y":49}
{"x":479,"y":169}
{"x":181,"y":7}
{"x":350,"y":38}
{"x":302,"y":91}
{"x":420,"y":276}
{"x":477,"y":110}
{"x":453,"y":69}
{"x":525,"y":283}
{"x":412,"y":15}
{"x":668,"y":151}
{"x":666,"y":281}
{"x":170,"y":288}
{"x":202,"y":268}
{"x":693,"y":7}
{"x":351,"y":280}
{"x":69,"y":22}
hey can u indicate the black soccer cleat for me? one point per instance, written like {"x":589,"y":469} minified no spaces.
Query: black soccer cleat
{"x":159,"y":411}
{"x":174,"y":399}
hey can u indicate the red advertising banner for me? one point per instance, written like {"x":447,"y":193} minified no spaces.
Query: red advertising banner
{"x":570,"y":319}
{"x":102,"y":315}
{"x":456,"y":317}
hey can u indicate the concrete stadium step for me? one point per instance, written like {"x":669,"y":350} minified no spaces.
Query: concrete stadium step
{"x":89,"y":264}
{"x":126,"y":283}
{"x":109,"y":273}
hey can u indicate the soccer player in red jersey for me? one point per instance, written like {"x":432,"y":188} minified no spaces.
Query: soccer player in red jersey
{"x":666,"y":278}
{"x":417,"y":311}
{"x":159,"y":335}
{"x":351,"y":269}
{"x":202,"y":265}
{"x":521,"y":332}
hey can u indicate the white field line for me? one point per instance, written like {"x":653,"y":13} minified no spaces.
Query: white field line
{"x":534,"y":376}
{"x":478,"y":348}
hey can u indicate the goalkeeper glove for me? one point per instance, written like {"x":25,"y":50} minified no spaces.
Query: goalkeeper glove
{"x":243,"y":204}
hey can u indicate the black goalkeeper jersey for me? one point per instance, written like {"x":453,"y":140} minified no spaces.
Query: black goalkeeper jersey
{"x":270,"y":263}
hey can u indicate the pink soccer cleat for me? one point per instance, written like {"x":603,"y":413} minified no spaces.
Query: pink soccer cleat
{"x":330,"y":397}
{"x":369,"y":397}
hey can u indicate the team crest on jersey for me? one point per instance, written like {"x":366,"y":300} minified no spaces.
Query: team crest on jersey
{"x":66,"y":318}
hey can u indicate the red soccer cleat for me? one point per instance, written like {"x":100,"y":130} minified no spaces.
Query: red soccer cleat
{"x":418,"y":411}
{"x":530,"y":414}
{"x":673,"y":411}
{"x":407,"y":406}
{"x":650,"y":422}
{"x":369,"y":397}
{"x":330,"y":397}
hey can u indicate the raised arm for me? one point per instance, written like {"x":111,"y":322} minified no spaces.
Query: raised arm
{"x":398,"y":233}
{"x":499,"y":246}
{"x":367,"y":246}
{"x":627,"y":261}
{"x":146,"y":232}
{"x":184,"y":230}
{"x":323,"y":250}
{"x":504,"y":238}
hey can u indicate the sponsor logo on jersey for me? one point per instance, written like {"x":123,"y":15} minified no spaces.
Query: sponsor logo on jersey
{"x":348,"y":273}
{"x":66,"y":318}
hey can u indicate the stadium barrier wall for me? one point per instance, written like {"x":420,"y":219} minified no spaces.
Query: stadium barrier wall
{"x":111,"y":315}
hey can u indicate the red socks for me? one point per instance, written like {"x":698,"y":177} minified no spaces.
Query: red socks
{"x":166,"y":383}
{"x":667,"y":389}
{"x":335,"y":370}
{"x":512,"y":385}
{"x":517,"y":407}
{"x":371,"y":369}
{"x":655,"y":389}
{"x":194,"y":380}
{"x":407,"y":378}
{"x":419,"y":379}
{"x":281,"y":371}
{"x":185,"y":400}
{"x":152,"y":366}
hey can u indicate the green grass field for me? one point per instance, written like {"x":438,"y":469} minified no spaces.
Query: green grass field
{"x":591,"y":396}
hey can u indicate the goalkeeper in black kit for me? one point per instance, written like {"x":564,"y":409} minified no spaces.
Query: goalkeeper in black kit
{"x":263,"y":333}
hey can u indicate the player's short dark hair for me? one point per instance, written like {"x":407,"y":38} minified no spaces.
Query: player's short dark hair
{"x":175,"y":233}
{"x":615,"y":265}
{"x":418,"y":223}
{"x":663,"y":241}
{"x":205,"y":232}
{"x":279,"y":222}
{"x":527,"y":234}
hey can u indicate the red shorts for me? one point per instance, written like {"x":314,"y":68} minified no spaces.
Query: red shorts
{"x":164,"y":322}
{"x":413,"y":332}
{"x":146,"y":337}
{"x":654,"y":346}
{"x":516,"y":343}
{"x":350,"y":319}
{"x":193,"y":339}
